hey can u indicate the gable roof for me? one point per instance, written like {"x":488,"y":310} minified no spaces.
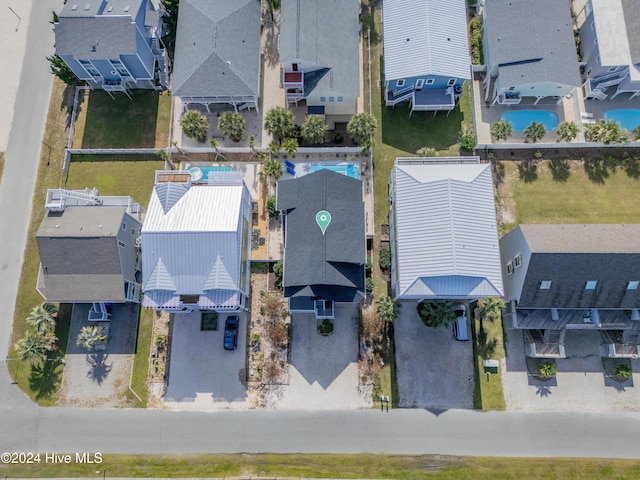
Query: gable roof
{"x":571,"y":255}
{"x":326,"y":33}
{"x":445,"y":229}
{"x":110,"y":35}
{"x":217,"y":48}
{"x":329,"y":265}
{"x":531,"y":42}
{"x":425,"y":37}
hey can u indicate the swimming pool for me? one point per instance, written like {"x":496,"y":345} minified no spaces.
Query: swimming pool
{"x":521,"y":119}
{"x":628,"y":118}
{"x":202,"y":173}
{"x":349,"y":170}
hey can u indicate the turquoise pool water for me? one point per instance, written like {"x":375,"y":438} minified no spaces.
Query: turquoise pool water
{"x":349,"y":170}
{"x":521,"y":119}
{"x":628,"y":118}
{"x":202,"y":173}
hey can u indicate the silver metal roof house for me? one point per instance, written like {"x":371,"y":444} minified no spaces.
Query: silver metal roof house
{"x":529,"y":50}
{"x":426,"y":52}
{"x":443,"y":229}
{"x":88,"y":246}
{"x":319,"y":52}
{"x":195,"y":243}
{"x":113,"y":45}
{"x":578,"y":277}
{"x":217,"y":58}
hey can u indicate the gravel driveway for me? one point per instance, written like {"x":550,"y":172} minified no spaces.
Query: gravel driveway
{"x":432,"y":369}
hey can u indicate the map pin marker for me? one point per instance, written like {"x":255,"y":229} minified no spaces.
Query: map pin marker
{"x":323,"y":218}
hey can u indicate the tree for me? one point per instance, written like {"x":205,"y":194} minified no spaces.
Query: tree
{"x":61,"y":70}
{"x":290,"y":145}
{"x":271,"y":169}
{"x":216,"y":146}
{"x":361,"y":128}
{"x":427,"y":152}
{"x":314,"y":130}
{"x":273,"y":6}
{"x":436,"y":313}
{"x":278,"y":122}
{"x":386,"y":308}
{"x":232,"y":125}
{"x":90,"y":336}
{"x":636,"y":133}
{"x":467,"y":139}
{"x":491,"y":308}
{"x":194,"y":125}
{"x":278,"y":268}
{"x":607,"y":132}
{"x":385,"y":259}
{"x":501,"y":130}
{"x":272,"y":209}
{"x":567,"y":131}
{"x":535,"y":131}
{"x":31,"y":348}
{"x":274,"y":148}
{"x":170,"y":19}
{"x":252,"y":144}
{"x":41,"y":318}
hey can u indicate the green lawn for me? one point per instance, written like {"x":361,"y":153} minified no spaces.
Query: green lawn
{"x":488,"y":343}
{"x":120,"y":122}
{"x":406,"y":467}
{"x":141,"y":359}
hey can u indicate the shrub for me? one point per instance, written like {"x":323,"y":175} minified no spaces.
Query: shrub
{"x":385,"y":259}
{"x":501,"y":130}
{"x":436,"y":313}
{"x":636,"y":133}
{"x":535,"y":131}
{"x":467,"y":139}
{"x":314,"y":129}
{"x":368,"y":285}
{"x":371,"y":325}
{"x":567,"y":131}
{"x":194,"y":125}
{"x":369,"y":265}
{"x":325,"y":327}
{"x":271,"y":207}
{"x":427,"y":152}
{"x":547,"y":369}
{"x":232,"y":125}
{"x":278,"y":268}
{"x":623,"y":370}
{"x":279,"y":123}
{"x":361,"y":128}
{"x":387,"y":309}
{"x":255,"y":338}
{"x":475,"y":25}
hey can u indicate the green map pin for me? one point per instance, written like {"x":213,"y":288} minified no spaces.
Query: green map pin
{"x":323,"y":218}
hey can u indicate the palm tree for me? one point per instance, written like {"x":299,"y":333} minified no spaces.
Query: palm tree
{"x":271,"y":169}
{"x":90,"y":336}
{"x":436,"y":313}
{"x":274,"y":148}
{"x":535,"y":131}
{"x":427,"y":152}
{"x":278,"y":122}
{"x":567,"y":131}
{"x":290,"y":145}
{"x":50,"y":341}
{"x":194,"y":125}
{"x":636,"y":133}
{"x":232,"y":125}
{"x":41,"y":318}
{"x":361,"y":128}
{"x":386,"y":308}
{"x":31,"y":348}
{"x":501,"y":130}
{"x":606,"y":132}
{"x":216,"y":146}
{"x":314,"y":129}
{"x":252,"y":144}
{"x":273,"y":6}
{"x":491,"y":308}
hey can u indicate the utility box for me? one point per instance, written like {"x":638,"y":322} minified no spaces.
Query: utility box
{"x":490,"y":366}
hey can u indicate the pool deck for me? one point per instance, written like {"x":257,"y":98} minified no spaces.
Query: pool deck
{"x":621,"y":102}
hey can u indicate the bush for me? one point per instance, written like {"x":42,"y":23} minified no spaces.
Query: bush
{"x":475,"y":26}
{"x":623,"y":370}
{"x":271,"y":207}
{"x":547,"y":369}
{"x":278,"y":268}
{"x":501,"y":130}
{"x":255,"y":338}
{"x":361,"y":128}
{"x":467,"y":140}
{"x":232,"y":125}
{"x":194,"y":125}
{"x":369,"y":265}
{"x":385,"y":259}
{"x":368,"y":285}
{"x":325,"y":327}
{"x":436,"y":313}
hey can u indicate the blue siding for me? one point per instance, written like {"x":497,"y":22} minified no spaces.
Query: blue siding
{"x":147,"y":59}
{"x":105,"y":68}
{"x":75,"y":66}
{"x":589,"y":48}
{"x":438,"y":82}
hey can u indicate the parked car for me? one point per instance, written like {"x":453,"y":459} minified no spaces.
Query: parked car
{"x":231,"y":333}
{"x":461,"y":323}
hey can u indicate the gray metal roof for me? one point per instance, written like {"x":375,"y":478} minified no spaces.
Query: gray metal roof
{"x":329,"y":265}
{"x":538,"y":33}
{"x":445,"y":229}
{"x":425,"y":37}
{"x":217,"y":48}
{"x":326,"y":33}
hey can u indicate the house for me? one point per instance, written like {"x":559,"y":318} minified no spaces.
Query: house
{"x":113,"y":45}
{"x":89,"y":248}
{"x":443,"y":230}
{"x":574,"y":277}
{"x":426,"y":52}
{"x":529,"y":51}
{"x":217,"y":58}
{"x":321,"y":59}
{"x":324,"y":241}
{"x":195,"y":243}
{"x":610,"y":48}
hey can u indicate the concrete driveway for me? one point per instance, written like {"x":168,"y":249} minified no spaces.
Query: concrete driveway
{"x":432,"y":369}
{"x":323,"y":374}
{"x":203,"y":375}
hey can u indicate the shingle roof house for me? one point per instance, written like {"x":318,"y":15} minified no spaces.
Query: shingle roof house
{"x":88,"y":248}
{"x":574,"y":276}
{"x":217,"y":58}
{"x":529,"y":50}
{"x":443,"y":229}
{"x":426,"y":52}
{"x":319,"y":52}
{"x":324,"y":241}
{"x":113,"y":45}
{"x":195,"y":244}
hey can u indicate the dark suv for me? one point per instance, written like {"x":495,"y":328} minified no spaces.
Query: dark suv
{"x":231,"y":333}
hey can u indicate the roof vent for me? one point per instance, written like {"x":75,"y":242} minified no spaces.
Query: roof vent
{"x":110,"y":9}
{"x":126,"y":9}
{"x":74,"y":7}
{"x":87,"y":6}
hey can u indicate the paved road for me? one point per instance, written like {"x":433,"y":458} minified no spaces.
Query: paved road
{"x":25,"y":427}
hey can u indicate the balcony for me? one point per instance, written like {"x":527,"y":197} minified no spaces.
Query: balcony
{"x":324,"y":309}
{"x":433,"y":99}
{"x":114,"y":85}
{"x":293,"y":84}
{"x":509,"y":98}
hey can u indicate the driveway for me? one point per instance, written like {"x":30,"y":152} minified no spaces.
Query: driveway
{"x":323,"y":373}
{"x":100,"y":378}
{"x":432,"y":369}
{"x":203,"y":375}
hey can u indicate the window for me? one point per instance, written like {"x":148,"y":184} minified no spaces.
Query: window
{"x":121,"y":244}
{"x":595,"y":41}
{"x":430,"y":81}
{"x":332,"y":99}
{"x":84,"y":62}
{"x":512,"y":88}
{"x":323,"y":99}
{"x":340,"y":99}
{"x":598,"y":59}
{"x":545,"y":284}
{"x":133,"y":231}
{"x":451,"y":81}
{"x":612,"y":69}
{"x":400,"y":83}
{"x":124,"y":226}
{"x":518,"y":260}
{"x":510,"y":268}
{"x":591,"y":285}
{"x":592,"y":25}
{"x":589,"y":73}
{"x":189,"y":299}
{"x":633,"y":285}
{"x":419,"y":84}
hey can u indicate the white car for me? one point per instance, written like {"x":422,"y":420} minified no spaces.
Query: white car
{"x":461,"y":323}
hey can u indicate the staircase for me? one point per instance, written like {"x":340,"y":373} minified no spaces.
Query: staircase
{"x":163,"y":61}
{"x":57,"y":198}
{"x":393,"y":98}
{"x":489,"y":94}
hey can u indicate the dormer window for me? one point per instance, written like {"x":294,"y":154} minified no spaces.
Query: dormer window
{"x":510,"y":268}
{"x":518,"y":260}
{"x":633,"y":285}
{"x":545,"y":284}
{"x":400,"y":83}
{"x":591,"y":285}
